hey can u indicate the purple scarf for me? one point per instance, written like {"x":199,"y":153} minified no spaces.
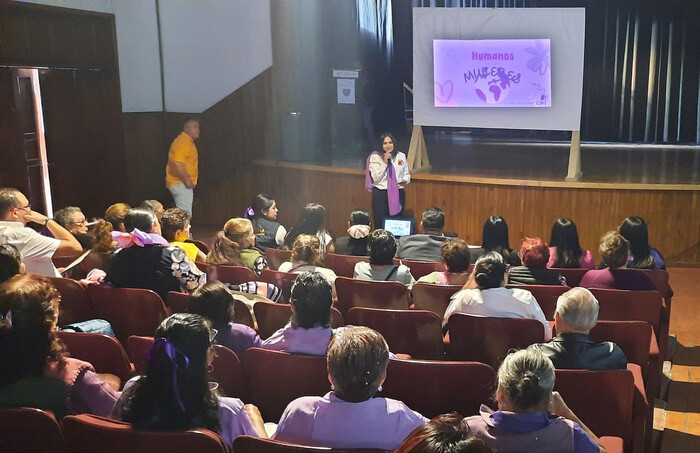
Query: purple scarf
{"x":391,"y":185}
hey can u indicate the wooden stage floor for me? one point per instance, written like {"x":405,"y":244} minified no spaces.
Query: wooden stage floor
{"x":460,"y":154}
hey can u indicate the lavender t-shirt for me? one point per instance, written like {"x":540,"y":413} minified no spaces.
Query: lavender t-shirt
{"x":381,"y":423}
{"x":313,"y":341}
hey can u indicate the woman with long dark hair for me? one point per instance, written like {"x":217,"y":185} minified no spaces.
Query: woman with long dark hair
{"x":495,"y":239}
{"x":269,"y":233}
{"x":387,"y":175}
{"x":564,"y":249}
{"x":174,"y":393}
{"x":642,"y":256}
{"x":312,"y":220}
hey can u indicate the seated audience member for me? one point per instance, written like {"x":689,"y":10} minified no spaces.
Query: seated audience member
{"x":495,"y":239}
{"x":446,"y":433}
{"x":35,"y":370}
{"x":455,"y":256}
{"x":155,"y":206}
{"x":37,"y":250}
{"x":312,"y":220}
{"x":355,"y":243}
{"x":530,"y":416}
{"x":306,"y":255}
{"x":174,"y":394}
{"x":309,"y":330}
{"x":10,"y":262}
{"x":381,"y":267}
{"x":115,"y":215}
{"x":576,"y":314}
{"x":425,"y":246}
{"x":564,"y":249}
{"x":214,"y":302}
{"x":534,"y":255}
{"x":614,"y":250}
{"x":357,"y":362}
{"x":72,"y":219}
{"x":268,"y":232}
{"x":492,"y":298}
{"x":642,"y":256}
{"x":146,"y":260}
{"x":234,"y":244}
{"x":175,"y":226}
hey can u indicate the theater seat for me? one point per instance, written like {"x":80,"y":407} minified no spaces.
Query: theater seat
{"x":131,"y":311}
{"x":488,"y":340}
{"x":283,"y":280}
{"x":276,"y":378}
{"x":546,"y":296}
{"x":75,"y":305}
{"x":417,"y":333}
{"x":89,"y":433}
{"x":235,"y":275}
{"x":275,"y":257}
{"x":344,"y":265}
{"x":104,"y":352}
{"x":370,"y":294}
{"x":248,"y":444}
{"x":30,"y":430}
{"x":436,"y":298}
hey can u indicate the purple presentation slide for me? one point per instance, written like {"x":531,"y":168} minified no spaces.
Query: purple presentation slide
{"x":492,"y":73}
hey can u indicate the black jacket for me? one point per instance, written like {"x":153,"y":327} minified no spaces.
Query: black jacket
{"x":578,"y":351}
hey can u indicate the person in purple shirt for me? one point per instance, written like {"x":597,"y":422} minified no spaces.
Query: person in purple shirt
{"x":445,"y":433}
{"x":309,"y":330}
{"x":350,"y":416}
{"x":614,"y":250}
{"x":214,"y":302}
{"x":641,"y":256}
{"x":35,"y":370}
{"x":174,"y":393}
{"x":530,"y":416}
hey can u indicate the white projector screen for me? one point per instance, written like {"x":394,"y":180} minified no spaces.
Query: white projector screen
{"x":515,"y":68}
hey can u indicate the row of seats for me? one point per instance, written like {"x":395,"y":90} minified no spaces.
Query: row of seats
{"x":604,"y":400}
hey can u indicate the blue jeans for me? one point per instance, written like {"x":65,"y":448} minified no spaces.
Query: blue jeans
{"x":183,"y":196}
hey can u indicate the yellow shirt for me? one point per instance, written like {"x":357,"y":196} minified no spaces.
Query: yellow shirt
{"x":182,"y":150}
{"x":189,"y":248}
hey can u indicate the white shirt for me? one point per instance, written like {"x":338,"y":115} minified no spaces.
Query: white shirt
{"x":36,"y":250}
{"x":498,"y":303}
{"x":377,"y":169}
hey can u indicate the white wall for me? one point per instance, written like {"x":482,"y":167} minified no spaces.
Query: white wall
{"x":210,"y":49}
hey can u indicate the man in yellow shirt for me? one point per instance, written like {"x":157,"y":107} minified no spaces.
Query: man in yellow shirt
{"x":183,"y":165}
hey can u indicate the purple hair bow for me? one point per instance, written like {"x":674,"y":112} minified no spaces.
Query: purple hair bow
{"x":178,"y":360}
{"x":249,"y":213}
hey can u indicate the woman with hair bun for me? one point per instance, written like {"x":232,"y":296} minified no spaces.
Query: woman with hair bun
{"x":530,"y":416}
{"x":491,"y":297}
{"x":269,"y":233}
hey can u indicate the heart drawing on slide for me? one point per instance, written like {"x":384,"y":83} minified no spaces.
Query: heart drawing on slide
{"x":443,"y":91}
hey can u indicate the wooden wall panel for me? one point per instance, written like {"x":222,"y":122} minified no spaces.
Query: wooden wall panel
{"x":673,"y":215}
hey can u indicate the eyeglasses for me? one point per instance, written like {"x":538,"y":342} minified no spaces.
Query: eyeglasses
{"x":80,"y":223}
{"x":212,"y":336}
{"x":25,"y":208}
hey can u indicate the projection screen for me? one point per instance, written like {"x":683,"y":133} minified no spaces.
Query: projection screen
{"x":514,"y":68}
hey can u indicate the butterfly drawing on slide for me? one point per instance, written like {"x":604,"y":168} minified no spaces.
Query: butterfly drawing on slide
{"x":539,"y":61}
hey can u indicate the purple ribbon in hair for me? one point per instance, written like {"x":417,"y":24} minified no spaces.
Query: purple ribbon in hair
{"x":249,"y":213}
{"x":164,"y":345}
{"x":392,"y":187}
